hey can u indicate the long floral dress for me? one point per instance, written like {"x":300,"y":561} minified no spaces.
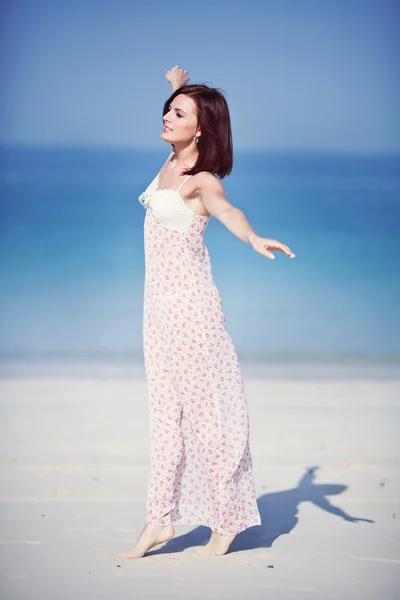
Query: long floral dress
{"x":200,"y":462}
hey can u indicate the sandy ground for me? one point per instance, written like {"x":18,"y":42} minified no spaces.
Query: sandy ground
{"x":74,"y":465}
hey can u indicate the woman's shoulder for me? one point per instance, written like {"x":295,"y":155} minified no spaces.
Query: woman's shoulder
{"x":207,"y":179}
{"x":207,"y":185}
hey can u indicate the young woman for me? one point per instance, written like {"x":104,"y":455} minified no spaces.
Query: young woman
{"x":201,"y":467}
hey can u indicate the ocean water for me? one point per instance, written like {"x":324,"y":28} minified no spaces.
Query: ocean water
{"x":72,"y":257}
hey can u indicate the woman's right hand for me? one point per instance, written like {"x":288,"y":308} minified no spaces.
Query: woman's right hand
{"x":177,"y":77}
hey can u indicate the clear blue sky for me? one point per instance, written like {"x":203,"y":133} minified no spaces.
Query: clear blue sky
{"x":298,"y":74}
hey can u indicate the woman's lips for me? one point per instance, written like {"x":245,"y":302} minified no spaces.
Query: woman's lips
{"x":165,"y":128}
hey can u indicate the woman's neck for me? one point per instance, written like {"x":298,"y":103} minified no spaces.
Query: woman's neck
{"x":185,"y":157}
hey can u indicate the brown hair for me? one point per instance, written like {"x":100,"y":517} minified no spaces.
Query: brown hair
{"x":215,"y":143}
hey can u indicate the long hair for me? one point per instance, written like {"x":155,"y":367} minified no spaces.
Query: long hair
{"x":215,"y":145}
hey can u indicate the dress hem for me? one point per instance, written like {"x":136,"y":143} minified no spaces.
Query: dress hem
{"x":183,"y":521}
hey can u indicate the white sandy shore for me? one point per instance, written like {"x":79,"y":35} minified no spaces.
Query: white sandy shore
{"x":74,"y":466}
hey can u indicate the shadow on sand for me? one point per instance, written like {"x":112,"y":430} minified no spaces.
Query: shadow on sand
{"x":278,"y":512}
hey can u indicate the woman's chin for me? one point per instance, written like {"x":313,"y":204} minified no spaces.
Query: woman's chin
{"x":166,"y":137}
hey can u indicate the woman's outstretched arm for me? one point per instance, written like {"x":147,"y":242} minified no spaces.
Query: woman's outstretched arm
{"x":215,"y":201}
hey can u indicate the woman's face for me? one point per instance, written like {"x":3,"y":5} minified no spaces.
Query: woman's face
{"x":180,"y":122}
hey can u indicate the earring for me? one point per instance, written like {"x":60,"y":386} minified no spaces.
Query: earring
{"x":196,"y":140}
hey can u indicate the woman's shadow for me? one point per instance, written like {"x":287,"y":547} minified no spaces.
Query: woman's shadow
{"x":278,"y":512}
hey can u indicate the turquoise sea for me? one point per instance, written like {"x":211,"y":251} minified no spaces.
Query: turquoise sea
{"x":72,"y":262}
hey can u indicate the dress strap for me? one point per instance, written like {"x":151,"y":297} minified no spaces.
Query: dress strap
{"x":186,"y":178}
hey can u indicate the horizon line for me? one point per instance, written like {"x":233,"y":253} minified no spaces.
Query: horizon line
{"x":241,"y":149}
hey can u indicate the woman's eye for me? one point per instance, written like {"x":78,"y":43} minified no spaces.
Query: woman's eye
{"x":177,"y":114}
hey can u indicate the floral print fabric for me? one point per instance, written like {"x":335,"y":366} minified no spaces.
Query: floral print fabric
{"x":200,"y":461}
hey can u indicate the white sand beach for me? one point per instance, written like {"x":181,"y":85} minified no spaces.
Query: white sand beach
{"x":74,"y":466}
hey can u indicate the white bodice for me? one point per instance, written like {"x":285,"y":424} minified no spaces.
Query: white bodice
{"x":168,"y":206}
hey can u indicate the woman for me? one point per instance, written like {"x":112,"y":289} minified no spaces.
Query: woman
{"x":201,"y":466}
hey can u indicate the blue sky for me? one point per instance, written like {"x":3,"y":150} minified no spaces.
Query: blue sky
{"x":298,"y":74}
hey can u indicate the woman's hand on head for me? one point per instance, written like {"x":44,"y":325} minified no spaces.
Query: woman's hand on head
{"x":265,"y":245}
{"x":177,"y":77}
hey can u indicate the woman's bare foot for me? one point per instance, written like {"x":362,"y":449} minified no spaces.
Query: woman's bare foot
{"x":217,"y":545}
{"x":150,"y":536}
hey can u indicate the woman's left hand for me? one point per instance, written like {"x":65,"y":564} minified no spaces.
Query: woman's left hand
{"x":265,"y":245}
{"x":177,"y":77}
